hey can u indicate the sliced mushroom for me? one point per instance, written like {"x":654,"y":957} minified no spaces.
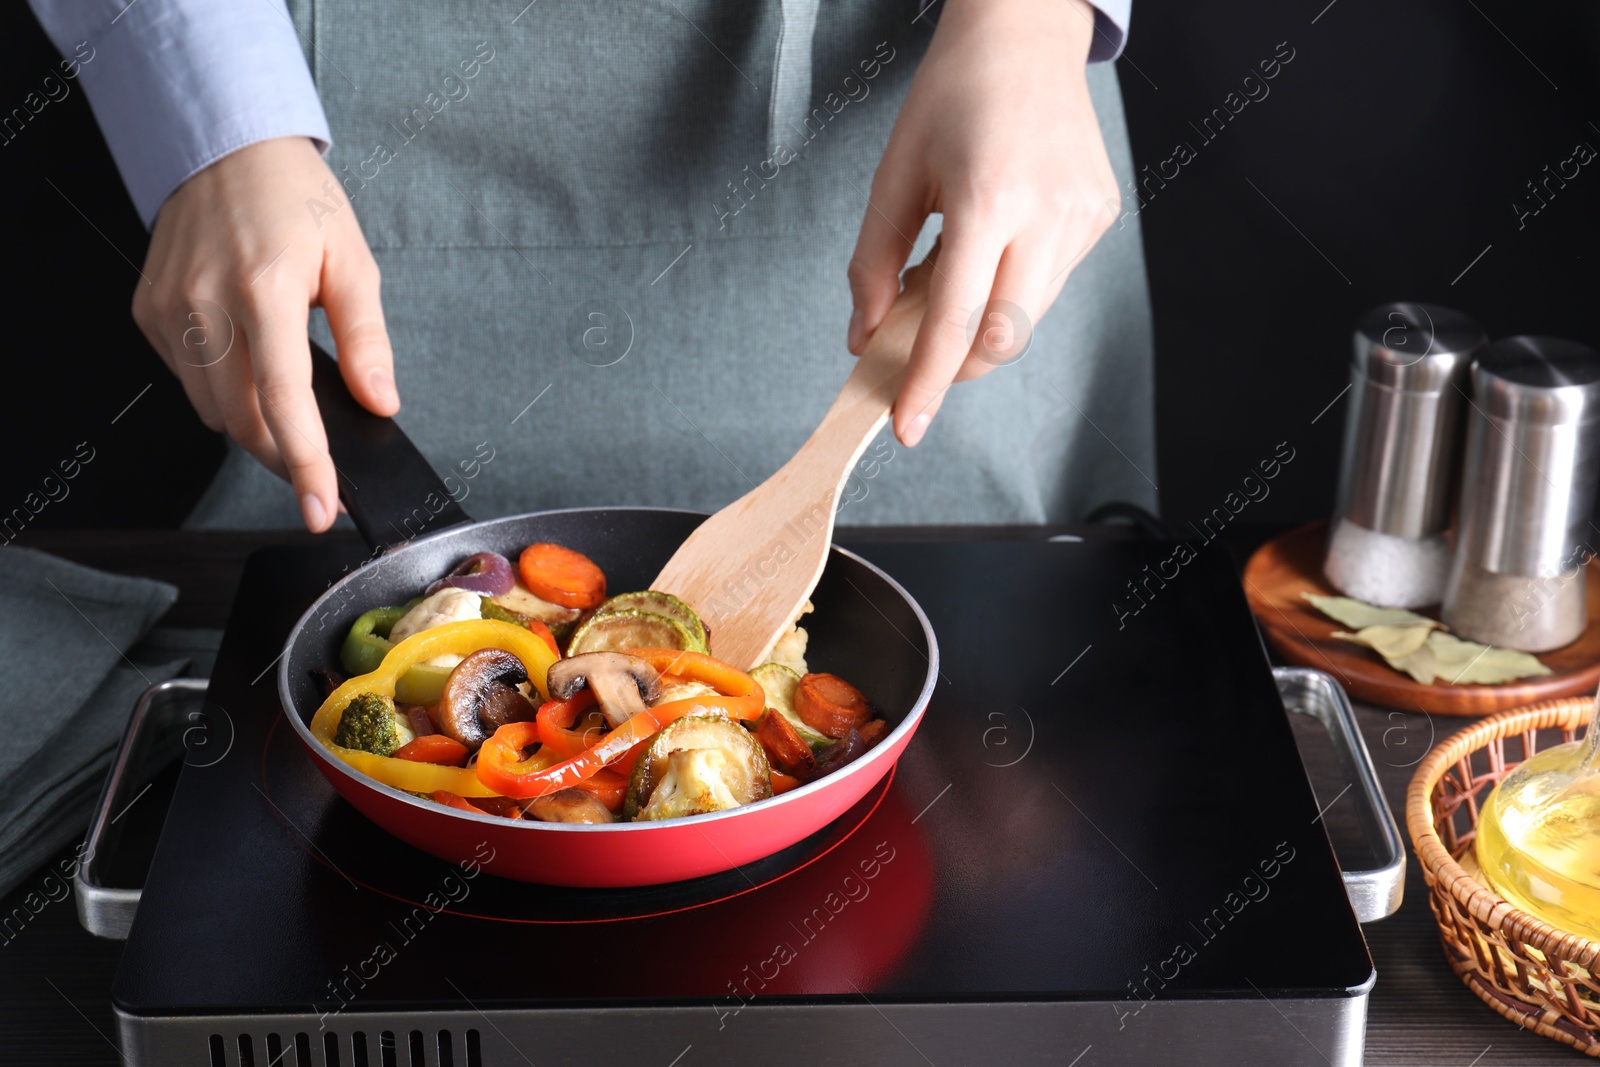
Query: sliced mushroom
{"x":622,"y":684}
{"x":569,"y":805}
{"x":480,"y":696}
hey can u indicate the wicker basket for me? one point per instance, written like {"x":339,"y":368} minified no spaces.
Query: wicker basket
{"x":1525,"y":969}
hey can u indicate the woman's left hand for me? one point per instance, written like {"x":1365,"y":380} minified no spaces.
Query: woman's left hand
{"x":999,"y":135}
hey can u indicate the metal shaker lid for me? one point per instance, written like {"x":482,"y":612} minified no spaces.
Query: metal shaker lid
{"x":1532,"y":460}
{"x":1545,"y":380}
{"x":1409,"y":377}
{"x":1415,"y":347}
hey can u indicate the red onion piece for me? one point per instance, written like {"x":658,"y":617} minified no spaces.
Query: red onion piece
{"x":844,"y":751}
{"x":417,"y":716}
{"x":487,"y":574}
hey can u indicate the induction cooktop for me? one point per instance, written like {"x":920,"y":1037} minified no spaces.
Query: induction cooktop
{"x":1100,"y":848}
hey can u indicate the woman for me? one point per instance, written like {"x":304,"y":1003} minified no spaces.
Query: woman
{"x":618,"y":240}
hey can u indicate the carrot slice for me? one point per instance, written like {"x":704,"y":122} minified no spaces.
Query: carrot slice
{"x":542,"y":632}
{"x":453,"y":800}
{"x":560,"y":575}
{"x":785,"y":748}
{"x":782,"y":783}
{"x":434,"y":748}
{"x":830,"y":705}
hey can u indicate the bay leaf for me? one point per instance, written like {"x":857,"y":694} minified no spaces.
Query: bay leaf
{"x":1394,"y":642}
{"x":1358,"y":614}
{"x":1405,"y":648}
{"x":1422,"y":665}
{"x":1469,"y":663}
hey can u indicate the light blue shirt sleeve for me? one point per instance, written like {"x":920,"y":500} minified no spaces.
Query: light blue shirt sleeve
{"x":1110,"y":29}
{"x":177,"y":84}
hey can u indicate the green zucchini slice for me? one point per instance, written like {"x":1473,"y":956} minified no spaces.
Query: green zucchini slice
{"x":779,"y":684}
{"x":697,"y":765}
{"x":658,"y":603}
{"x":519,"y":600}
{"x":618,"y":631}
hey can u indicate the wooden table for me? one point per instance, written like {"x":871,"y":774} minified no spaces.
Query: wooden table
{"x":55,"y":979}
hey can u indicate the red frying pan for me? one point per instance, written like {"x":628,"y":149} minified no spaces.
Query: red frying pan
{"x":865,"y":628}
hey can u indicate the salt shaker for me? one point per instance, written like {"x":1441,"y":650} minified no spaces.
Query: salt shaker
{"x":1387,"y":544}
{"x":1527,"y":492}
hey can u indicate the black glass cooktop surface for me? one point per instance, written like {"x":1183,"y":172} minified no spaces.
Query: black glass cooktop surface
{"x":1104,"y":801}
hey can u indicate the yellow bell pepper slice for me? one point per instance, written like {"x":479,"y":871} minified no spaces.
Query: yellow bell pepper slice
{"x":459,"y":638}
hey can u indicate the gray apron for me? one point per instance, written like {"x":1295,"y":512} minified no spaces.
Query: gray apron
{"x":613,"y":237}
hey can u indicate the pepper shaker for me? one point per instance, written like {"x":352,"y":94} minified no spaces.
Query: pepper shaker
{"x":1528,"y":489}
{"x":1387,"y":543}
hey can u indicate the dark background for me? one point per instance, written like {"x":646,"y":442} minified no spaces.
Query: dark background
{"x":1385,"y":158}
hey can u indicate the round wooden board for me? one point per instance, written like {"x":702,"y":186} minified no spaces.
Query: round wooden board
{"x":1291,"y":564}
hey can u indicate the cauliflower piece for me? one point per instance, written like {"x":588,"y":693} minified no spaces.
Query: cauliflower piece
{"x":682,"y":691}
{"x":371,"y":723}
{"x":447,"y":605}
{"x":693,"y":785}
{"x":790,"y":651}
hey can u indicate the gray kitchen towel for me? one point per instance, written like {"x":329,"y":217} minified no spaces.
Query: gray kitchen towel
{"x":64,"y":630}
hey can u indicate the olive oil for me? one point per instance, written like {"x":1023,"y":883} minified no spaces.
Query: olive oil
{"x":1538,"y":837}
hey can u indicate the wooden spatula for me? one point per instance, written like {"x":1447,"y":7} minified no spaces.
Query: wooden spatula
{"x":750,"y":567}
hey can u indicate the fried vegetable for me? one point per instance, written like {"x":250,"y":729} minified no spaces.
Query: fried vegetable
{"x":486,"y":573}
{"x":624,"y":631}
{"x":658,"y":603}
{"x":490,"y":610}
{"x":846,"y":750}
{"x":790,"y":651}
{"x":785,"y":748}
{"x":433,"y":748}
{"x":695,"y":766}
{"x":830,"y":705}
{"x":545,"y":634}
{"x":620,"y":631}
{"x":624,"y":685}
{"x":569,"y":805}
{"x":562,"y":575}
{"x":521,"y":605}
{"x":442,"y":608}
{"x":328,"y":679}
{"x":460,"y":638}
{"x":370,"y":723}
{"x":422,"y":684}
{"x":368,"y":640}
{"x":695,"y":783}
{"x":454,"y":800}
{"x":671,"y":691}
{"x":779,"y":683}
{"x":481,"y":696}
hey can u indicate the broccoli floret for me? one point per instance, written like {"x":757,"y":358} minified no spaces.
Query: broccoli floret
{"x":369,"y":723}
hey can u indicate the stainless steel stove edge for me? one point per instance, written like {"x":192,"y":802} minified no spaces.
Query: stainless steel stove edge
{"x":1287,"y":1032}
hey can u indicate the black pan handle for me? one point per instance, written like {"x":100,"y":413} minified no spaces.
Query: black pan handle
{"x":390,"y":491}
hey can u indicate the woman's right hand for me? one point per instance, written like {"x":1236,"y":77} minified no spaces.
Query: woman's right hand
{"x":239,"y":254}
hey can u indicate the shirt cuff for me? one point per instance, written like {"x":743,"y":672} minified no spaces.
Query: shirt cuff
{"x":177,"y":84}
{"x":1110,"y":29}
